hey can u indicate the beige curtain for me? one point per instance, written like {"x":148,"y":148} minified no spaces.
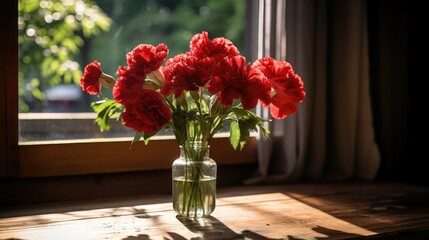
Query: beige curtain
{"x":331,"y":136}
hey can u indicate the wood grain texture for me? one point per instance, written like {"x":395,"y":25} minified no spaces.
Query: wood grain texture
{"x":58,"y":159}
{"x":301,"y":211}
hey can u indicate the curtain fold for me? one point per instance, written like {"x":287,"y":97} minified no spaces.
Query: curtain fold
{"x":331,"y":136}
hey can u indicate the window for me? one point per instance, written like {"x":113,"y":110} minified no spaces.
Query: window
{"x":69,"y":157}
{"x":57,"y":40}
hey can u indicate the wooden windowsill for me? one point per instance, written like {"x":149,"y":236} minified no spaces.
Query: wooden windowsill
{"x":300,"y":211}
{"x":63,"y":158}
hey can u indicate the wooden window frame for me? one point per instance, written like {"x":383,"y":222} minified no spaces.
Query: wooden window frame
{"x":74,"y":158}
{"x":9,"y":90}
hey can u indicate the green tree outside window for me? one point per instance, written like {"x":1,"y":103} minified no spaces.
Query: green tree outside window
{"x":57,"y":37}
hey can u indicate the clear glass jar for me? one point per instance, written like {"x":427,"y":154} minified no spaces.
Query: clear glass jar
{"x":194,"y":181}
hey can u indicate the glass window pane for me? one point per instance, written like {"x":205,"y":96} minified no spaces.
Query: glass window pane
{"x":59,"y":37}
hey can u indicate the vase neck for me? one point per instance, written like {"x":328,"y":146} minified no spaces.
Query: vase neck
{"x":195,"y":144}
{"x":194,"y":150}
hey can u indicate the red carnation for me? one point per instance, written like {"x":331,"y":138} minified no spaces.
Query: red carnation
{"x":186,"y":73}
{"x":178,"y":58}
{"x":148,"y":114}
{"x":128,"y":86}
{"x":201,"y":47}
{"x":287,"y":85}
{"x":89,"y":80}
{"x":146,"y":58}
{"x":234,"y":79}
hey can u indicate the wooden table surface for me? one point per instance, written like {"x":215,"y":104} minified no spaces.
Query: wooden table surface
{"x":298,"y":211}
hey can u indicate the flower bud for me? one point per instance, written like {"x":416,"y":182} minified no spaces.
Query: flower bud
{"x":273,"y":93}
{"x":157,"y":77}
{"x":149,"y":84}
{"x":106,"y":80}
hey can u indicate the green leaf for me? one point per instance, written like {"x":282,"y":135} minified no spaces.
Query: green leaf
{"x":195,"y":96}
{"x":146,"y":138}
{"x":215,"y":106}
{"x":179,"y":126}
{"x":241,"y":113}
{"x":139,"y":135}
{"x":245,"y":121}
{"x":264,"y":130}
{"x":71,"y":45}
{"x":136,"y":138}
{"x":234,"y":134}
{"x":244,"y":133}
{"x":106,"y":109}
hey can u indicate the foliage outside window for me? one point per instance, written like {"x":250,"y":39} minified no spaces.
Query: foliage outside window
{"x":51,"y":34}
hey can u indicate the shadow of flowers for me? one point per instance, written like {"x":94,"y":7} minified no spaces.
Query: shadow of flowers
{"x":209,"y":228}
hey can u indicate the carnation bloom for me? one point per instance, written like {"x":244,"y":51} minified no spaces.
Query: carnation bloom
{"x":142,"y":60}
{"x":148,"y":113}
{"x":186,"y":73}
{"x":234,"y":79}
{"x":146,"y":58}
{"x":89,"y":80}
{"x":201,"y":47}
{"x":287,"y":86}
{"x":128,"y":86}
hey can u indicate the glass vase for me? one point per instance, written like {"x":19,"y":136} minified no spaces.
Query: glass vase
{"x":194,"y":181}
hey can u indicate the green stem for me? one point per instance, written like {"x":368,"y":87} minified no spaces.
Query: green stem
{"x":193,"y":194}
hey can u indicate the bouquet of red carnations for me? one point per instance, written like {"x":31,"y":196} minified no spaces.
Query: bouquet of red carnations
{"x":196,"y":93}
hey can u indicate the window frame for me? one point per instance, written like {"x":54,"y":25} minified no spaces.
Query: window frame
{"x":61,"y":158}
{"x":9,"y":90}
